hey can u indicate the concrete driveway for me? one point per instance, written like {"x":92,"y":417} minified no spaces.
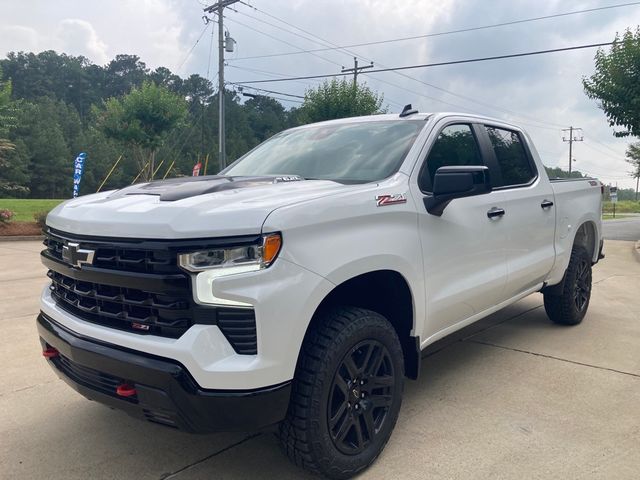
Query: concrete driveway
{"x":513,"y":396}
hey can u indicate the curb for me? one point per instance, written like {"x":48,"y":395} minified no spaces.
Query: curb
{"x":20,"y":238}
{"x":636,"y":250}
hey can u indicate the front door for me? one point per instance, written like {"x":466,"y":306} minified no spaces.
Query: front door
{"x":464,"y":253}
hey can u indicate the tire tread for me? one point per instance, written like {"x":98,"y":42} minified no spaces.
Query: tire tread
{"x":294,"y":435}
{"x":560,"y":308}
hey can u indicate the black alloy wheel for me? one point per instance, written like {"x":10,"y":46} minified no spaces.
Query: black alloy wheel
{"x":582,"y":288}
{"x":360,"y":396}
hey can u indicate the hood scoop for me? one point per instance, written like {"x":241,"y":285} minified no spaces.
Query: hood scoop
{"x":186,"y":187}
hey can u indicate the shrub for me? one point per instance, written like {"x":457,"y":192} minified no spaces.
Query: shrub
{"x":41,"y":218}
{"x":6,"y":216}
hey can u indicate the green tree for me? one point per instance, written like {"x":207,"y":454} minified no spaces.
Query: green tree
{"x":162,"y":76}
{"x":557,"y":172}
{"x":633,"y":157}
{"x":41,"y":150}
{"x":142,"y":119}
{"x":615,"y":85}
{"x":124,"y":73}
{"x":65,"y":91}
{"x":339,"y":99}
{"x":266,"y":117}
{"x":8,"y":164}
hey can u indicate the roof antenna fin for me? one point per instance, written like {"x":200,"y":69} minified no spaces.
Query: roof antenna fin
{"x":407,"y":110}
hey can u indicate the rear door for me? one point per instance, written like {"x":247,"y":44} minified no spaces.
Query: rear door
{"x":464,"y":252}
{"x":529,"y":218}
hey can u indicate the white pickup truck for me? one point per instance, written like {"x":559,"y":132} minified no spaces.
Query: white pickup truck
{"x":299,"y":286}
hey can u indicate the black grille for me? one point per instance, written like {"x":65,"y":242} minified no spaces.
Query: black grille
{"x":102,"y":382}
{"x":122,"y":307}
{"x":125,"y":257}
{"x":167,"y":312}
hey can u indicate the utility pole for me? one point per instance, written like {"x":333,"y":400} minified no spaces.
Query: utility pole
{"x":218,"y":8}
{"x":356,"y":69}
{"x":572,"y":138}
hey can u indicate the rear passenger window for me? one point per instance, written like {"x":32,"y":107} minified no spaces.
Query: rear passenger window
{"x":456,"y":145}
{"x":511,"y":155}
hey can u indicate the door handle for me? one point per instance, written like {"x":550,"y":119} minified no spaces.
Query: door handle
{"x":546,"y":204}
{"x":495,"y":212}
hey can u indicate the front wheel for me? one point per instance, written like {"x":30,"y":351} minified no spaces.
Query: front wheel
{"x":346,"y":395}
{"x":570,"y":307}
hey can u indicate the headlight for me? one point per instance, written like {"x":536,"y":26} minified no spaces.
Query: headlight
{"x":207,"y":265}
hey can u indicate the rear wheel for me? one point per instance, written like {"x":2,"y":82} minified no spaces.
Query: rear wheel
{"x":570,"y":307}
{"x":346,"y":394}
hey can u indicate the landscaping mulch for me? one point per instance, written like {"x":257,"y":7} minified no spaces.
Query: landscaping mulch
{"x":13,"y":229}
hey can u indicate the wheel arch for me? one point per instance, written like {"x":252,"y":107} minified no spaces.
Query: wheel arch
{"x":388,"y":293}
{"x":586,"y":236}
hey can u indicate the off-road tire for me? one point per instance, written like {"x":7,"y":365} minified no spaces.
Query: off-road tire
{"x":570,"y":307}
{"x":339,"y":337}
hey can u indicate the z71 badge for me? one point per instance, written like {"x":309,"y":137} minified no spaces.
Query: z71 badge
{"x":384,"y":200}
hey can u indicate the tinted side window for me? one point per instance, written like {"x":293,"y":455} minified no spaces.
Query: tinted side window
{"x":511,"y":156}
{"x":456,"y":145}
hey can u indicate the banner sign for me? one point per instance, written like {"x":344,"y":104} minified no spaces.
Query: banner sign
{"x":196,"y":169}
{"x":78,"y":168}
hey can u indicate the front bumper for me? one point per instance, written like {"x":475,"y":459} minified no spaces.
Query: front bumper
{"x":166,"y":393}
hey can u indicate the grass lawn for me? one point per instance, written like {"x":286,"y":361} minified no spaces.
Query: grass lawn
{"x":623,"y":206}
{"x":24,"y":208}
{"x":609,"y":216}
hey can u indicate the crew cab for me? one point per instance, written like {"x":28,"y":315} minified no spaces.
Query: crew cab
{"x":299,"y":286}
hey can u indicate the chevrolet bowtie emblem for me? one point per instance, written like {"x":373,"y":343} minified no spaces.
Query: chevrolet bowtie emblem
{"x":76,"y":256}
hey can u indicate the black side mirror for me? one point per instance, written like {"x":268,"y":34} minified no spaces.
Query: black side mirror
{"x":450,"y":183}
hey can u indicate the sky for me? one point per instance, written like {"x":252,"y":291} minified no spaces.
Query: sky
{"x":541,"y":93}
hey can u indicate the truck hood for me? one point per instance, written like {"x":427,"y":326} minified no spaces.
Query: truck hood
{"x":193,"y":207}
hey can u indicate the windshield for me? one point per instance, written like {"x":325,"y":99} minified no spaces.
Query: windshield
{"x":344,"y":152}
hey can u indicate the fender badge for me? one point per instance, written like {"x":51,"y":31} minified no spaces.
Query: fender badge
{"x":393,"y":199}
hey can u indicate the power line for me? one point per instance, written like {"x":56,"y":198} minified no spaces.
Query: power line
{"x":325,"y":42}
{"x":587,"y":144}
{"x":343,"y":49}
{"x":210,"y":51}
{"x":400,"y":105}
{"x":439,"y":64}
{"x":436,"y":34}
{"x":273,"y":74}
{"x":470,"y":110}
{"x":280,"y":40}
{"x":280,"y":28}
{"x":604,"y":145}
{"x":275,"y":98}
{"x":270,"y":91}
{"x":192,"y":48}
{"x":321,"y":42}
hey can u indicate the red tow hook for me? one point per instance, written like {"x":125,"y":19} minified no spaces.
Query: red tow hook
{"x":50,"y":352}
{"x":125,"y":390}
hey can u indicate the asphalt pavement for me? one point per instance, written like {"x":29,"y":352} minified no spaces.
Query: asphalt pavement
{"x":623,"y":228}
{"x":511,"y":397}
